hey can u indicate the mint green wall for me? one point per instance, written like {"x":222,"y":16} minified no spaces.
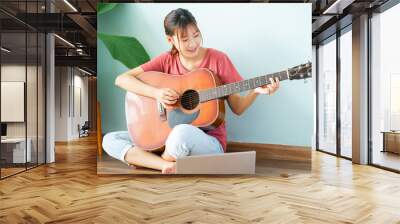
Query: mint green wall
{"x":259,"y":39}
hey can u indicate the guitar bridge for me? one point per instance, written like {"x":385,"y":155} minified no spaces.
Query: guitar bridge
{"x":162,"y":111}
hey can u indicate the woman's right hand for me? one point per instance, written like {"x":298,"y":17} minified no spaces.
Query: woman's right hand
{"x":167,"y":97}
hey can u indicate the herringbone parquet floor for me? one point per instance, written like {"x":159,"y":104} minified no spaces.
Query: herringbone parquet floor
{"x":69,"y":191}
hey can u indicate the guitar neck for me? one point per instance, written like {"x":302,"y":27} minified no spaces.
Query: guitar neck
{"x":237,"y":87}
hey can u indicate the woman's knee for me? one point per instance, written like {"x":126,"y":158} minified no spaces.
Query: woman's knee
{"x":107,"y":140}
{"x":178,"y":143}
{"x":181,"y":133}
{"x":116,"y":144}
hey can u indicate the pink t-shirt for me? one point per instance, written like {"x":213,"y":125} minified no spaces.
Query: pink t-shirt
{"x":217,"y":61}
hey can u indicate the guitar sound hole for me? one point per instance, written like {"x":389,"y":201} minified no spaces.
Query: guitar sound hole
{"x":190,"y":99}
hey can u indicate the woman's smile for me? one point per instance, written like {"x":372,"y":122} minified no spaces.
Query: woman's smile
{"x":193,"y":52}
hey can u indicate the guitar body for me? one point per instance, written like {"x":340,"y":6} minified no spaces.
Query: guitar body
{"x":149,"y":124}
{"x":201,"y":102}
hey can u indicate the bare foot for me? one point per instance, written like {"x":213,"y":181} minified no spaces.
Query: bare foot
{"x":167,"y":157}
{"x":170,"y":169}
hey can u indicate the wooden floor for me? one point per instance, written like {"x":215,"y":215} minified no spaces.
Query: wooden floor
{"x":69,"y":191}
{"x":386,"y":159}
{"x":276,"y":158}
{"x":10,"y":171}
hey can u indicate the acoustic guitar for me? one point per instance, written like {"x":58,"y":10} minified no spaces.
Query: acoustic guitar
{"x":201,"y":102}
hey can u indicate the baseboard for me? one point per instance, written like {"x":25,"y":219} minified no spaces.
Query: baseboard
{"x":273,"y":151}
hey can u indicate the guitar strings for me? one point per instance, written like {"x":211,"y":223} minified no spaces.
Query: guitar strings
{"x":256,"y":82}
{"x":262,"y":80}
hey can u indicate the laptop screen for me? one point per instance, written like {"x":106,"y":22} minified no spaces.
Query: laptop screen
{"x":3,"y":129}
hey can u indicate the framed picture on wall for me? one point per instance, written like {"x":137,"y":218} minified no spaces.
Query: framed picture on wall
{"x":12,"y":101}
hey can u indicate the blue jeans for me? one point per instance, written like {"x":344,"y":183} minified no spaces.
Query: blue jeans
{"x":183,"y":140}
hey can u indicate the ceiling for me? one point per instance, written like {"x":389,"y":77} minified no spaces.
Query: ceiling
{"x":76,"y":22}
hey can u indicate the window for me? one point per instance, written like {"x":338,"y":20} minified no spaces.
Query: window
{"x":395,"y":102}
{"x":22,"y":76}
{"x":385,"y":88}
{"x":346,"y":92}
{"x":327,"y":96}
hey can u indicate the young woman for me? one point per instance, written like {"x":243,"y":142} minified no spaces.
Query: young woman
{"x":187,"y":54}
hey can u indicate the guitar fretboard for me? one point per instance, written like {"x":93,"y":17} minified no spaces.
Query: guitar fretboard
{"x":237,"y":87}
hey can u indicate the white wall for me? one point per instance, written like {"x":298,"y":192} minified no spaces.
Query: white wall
{"x":16,"y":73}
{"x":34,"y":124}
{"x":61,"y":103}
{"x":80,"y":83}
{"x":67,"y":115}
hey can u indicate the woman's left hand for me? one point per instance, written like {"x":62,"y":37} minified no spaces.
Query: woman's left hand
{"x":270,"y":88}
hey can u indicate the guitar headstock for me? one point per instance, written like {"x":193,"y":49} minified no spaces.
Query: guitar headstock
{"x":302,"y":71}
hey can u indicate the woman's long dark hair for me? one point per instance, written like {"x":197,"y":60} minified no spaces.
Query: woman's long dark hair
{"x":178,"y":20}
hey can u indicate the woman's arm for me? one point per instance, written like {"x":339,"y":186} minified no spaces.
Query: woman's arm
{"x":129,"y":82}
{"x":239,"y":104}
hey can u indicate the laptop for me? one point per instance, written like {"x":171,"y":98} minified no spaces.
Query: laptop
{"x":227,"y":163}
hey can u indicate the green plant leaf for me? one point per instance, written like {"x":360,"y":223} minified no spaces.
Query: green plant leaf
{"x":128,"y":50}
{"x":105,"y":7}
